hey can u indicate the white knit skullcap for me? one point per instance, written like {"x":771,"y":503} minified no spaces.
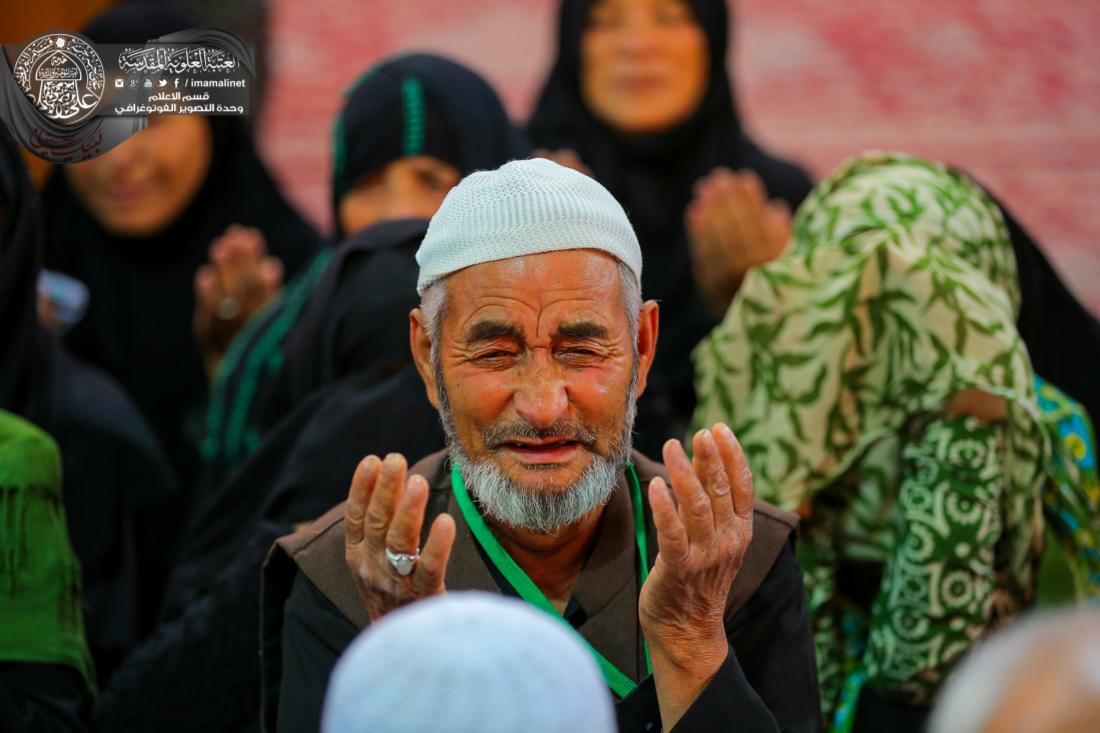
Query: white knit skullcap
{"x":467,"y":662}
{"x":524,"y":207}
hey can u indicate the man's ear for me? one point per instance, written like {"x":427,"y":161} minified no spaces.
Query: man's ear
{"x":421,"y":347}
{"x":648,"y":326}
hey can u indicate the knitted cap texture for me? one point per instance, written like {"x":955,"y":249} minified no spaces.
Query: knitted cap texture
{"x":468,"y":662}
{"x":524,"y":207}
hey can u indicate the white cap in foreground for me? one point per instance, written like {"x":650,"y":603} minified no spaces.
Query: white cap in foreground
{"x":467,"y":663}
{"x":524,"y":207}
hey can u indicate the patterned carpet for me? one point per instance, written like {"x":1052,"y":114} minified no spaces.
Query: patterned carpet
{"x":1007,"y":89}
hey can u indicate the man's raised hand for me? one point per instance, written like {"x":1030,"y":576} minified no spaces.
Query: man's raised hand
{"x":704,"y":527}
{"x":386,"y":510}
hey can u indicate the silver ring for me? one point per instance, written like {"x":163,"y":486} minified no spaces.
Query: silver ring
{"x":402,"y":562}
{"x":228,"y":308}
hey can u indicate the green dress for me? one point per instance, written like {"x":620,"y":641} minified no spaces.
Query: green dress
{"x":834,"y":364}
{"x":41,"y":618}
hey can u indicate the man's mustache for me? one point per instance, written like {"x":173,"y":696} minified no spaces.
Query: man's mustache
{"x":499,"y":435}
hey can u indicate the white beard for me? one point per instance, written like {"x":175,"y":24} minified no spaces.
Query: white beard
{"x":534,"y":508}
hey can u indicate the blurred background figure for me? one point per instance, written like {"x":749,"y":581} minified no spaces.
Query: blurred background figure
{"x":121,"y":498}
{"x":1041,"y":675}
{"x":875,"y":376}
{"x":640,"y":93}
{"x":47,"y":679}
{"x":135,"y":225}
{"x":467,"y":662}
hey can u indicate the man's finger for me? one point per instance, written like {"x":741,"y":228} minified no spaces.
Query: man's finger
{"x":431,"y":570}
{"x":712,"y":474}
{"x":672,"y":539}
{"x":737,"y":468}
{"x":694,"y":503}
{"x":387,"y":490}
{"x":403,"y":534}
{"x":362,"y":484}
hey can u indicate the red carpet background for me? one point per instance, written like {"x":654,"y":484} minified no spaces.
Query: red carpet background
{"x":1007,"y":89}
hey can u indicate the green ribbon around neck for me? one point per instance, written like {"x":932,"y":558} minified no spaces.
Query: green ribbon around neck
{"x":619,"y":682}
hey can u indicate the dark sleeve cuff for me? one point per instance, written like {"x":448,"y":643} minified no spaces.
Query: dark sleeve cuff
{"x":727,"y":700}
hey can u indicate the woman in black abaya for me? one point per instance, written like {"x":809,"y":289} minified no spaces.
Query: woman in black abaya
{"x":136,"y":223}
{"x":121,"y":500}
{"x":1062,"y":336}
{"x":640,"y":92}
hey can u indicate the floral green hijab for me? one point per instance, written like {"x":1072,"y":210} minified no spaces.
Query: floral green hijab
{"x":898,"y":291}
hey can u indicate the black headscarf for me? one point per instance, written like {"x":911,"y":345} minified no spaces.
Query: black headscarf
{"x":138,"y":324}
{"x":652,"y":175}
{"x":418,"y":104}
{"x":357,"y":317}
{"x":1062,"y":336}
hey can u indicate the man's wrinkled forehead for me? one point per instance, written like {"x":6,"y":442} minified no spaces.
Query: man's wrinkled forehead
{"x":578,"y":290}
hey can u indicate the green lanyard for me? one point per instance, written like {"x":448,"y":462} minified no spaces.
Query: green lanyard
{"x":619,"y":682}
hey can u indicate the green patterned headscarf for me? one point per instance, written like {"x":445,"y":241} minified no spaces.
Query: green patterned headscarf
{"x":41,"y":619}
{"x":835,"y":365}
{"x":898,"y":291}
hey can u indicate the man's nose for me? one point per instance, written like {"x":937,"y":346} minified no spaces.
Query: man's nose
{"x":541,"y":398}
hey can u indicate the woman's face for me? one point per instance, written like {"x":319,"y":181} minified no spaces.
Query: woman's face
{"x":407,"y":188}
{"x":140,"y":187}
{"x":644,"y":64}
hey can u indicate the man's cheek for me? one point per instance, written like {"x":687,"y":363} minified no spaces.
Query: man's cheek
{"x":599,"y":389}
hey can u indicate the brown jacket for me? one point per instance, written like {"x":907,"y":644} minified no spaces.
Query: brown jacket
{"x":607,"y":588}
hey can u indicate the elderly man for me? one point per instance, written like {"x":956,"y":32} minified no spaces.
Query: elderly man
{"x":533,"y":344}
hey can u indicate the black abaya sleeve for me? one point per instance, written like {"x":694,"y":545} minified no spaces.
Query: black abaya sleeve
{"x":315,"y":634}
{"x":43,"y":698}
